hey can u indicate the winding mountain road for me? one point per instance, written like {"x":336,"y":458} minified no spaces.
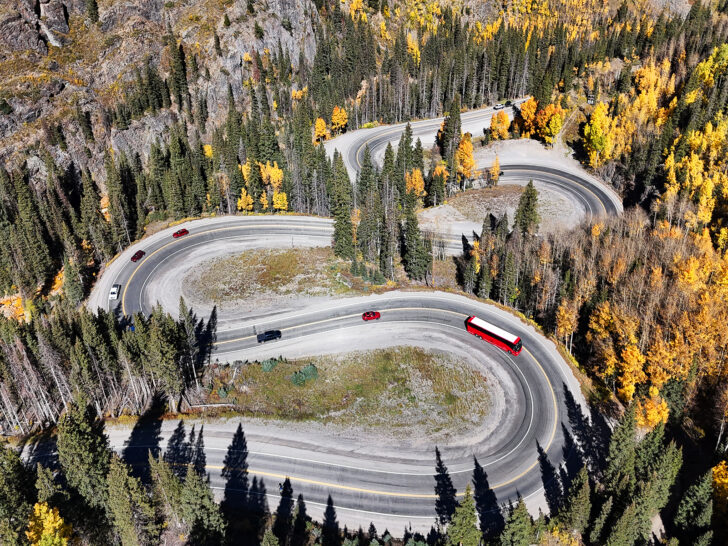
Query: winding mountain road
{"x":391,"y":483}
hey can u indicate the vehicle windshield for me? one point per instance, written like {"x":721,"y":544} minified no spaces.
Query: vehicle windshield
{"x":519,"y":346}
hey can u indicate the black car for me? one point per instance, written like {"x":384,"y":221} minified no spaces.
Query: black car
{"x":269,"y":335}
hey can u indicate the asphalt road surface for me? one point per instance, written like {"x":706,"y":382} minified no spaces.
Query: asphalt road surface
{"x":392,"y":486}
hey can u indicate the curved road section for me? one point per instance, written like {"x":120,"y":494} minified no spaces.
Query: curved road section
{"x":390,"y":484}
{"x":588,"y":192}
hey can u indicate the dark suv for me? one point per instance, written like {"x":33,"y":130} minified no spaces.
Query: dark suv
{"x":269,"y":335}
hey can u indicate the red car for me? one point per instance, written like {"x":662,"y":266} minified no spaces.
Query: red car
{"x":138,"y":255}
{"x":371,"y":315}
{"x":180,"y":233}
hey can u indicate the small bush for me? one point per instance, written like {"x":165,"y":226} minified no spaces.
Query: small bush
{"x":259,"y":31}
{"x":268,"y":365}
{"x":307,"y":373}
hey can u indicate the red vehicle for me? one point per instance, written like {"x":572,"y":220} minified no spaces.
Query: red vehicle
{"x":492,"y":334}
{"x":371,"y":315}
{"x":180,"y":233}
{"x":138,"y":255}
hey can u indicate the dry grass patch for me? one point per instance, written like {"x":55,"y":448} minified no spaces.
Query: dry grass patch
{"x":401,"y":390}
{"x":477,"y":204}
{"x":300,"y":272}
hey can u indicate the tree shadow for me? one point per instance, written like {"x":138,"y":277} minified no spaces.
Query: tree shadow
{"x":177,"y":454}
{"x":299,"y":536}
{"x":330,"y":532}
{"x":257,"y":508}
{"x":591,"y":432}
{"x":145,"y":438}
{"x":198,"y":459}
{"x":42,"y":449}
{"x":486,"y":503}
{"x":284,"y":513}
{"x":551,"y":481}
{"x":467,"y":247}
{"x":235,"y":473}
{"x":573,"y":459}
{"x":444,"y":489}
{"x":206,"y":335}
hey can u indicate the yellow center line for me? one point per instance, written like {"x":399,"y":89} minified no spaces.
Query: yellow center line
{"x":412,"y":495}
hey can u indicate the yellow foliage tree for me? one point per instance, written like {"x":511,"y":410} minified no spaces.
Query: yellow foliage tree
{"x":549,"y":121}
{"x":528,"y":117}
{"x":245,"y":201}
{"x":597,"y":138}
{"x":720,"y":487}
{"x":413,"y":49}
{"x":566,"y":322}
{"x":272,"y":175}
{"x":264,"y":201}
{"x":415,"y":183}
{"x":499,"y":125}
{"x":319,"y":134}
{"x":207,"y":149}
{"x":339,"y":119}
{"x":495,"y":171}
{"x":280,"y":201}
{"x":464,"y":157}
{"x":46,"y":527}
{"x":652,"y":411}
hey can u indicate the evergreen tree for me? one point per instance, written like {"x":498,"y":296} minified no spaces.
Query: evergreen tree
{"x":463,"y":529}
{"x":577,"y":510}
{"x":694,"y":513}
{"x":84,"y":454}
{"x":519,"y":526}
{"x":200,"y":512}
{"x":527,"y":217}
{"x":16,"y":497}
{"x":92,"y":11}
{"x":341,"y":208}
{"x":269,"y":539}
{"x":621,"y":453}
{"x":598,"y":527}
{"x":130,"y":509}
{"x":166,"y":488}
{"x":485,"y":282}
{"x":417,"y":252}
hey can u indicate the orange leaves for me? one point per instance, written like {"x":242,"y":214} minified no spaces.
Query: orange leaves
{"x":298,"y":94}
{"x":652,"y":411}
{"x":415,"y":183}
{"x":720,"y":486}
{"x":630,"y":371}
{"x":548,"y":122}
{"x":464,"y":157}
{"x":528,"y":117}
{"x":319,"y":132}
{"x":499,"y":125}
{"x":339,"y":120}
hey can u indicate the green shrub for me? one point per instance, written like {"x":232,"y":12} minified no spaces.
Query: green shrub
{"x":269,"y":364}
{"x":307,"y":373}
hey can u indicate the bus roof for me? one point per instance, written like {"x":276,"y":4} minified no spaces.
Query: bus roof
{"x":494,"y":329}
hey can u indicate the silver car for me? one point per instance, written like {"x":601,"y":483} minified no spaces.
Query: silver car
{"x":114,"y":293}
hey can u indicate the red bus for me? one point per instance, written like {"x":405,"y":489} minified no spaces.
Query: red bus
{"x":493,"y":334}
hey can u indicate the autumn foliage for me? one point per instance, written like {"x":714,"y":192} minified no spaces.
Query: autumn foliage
{"x":499,"y":125}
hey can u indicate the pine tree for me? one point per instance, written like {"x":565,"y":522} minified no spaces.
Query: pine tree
{"x":166,"y":488}
{"x":527,"y":217}
{"x":417,"y":256}
{"x":84,"y":454}
{"x":16,"y":497}
{"x":577,"y":510}
{"x":92,"y":11}
{"x":463,"y":529}
{"x":599,"y":525}
{"x":695,"y":510}
{"x":341,"y":208}
{"x":199,"y":510}
{"x":269,"y":539}
{"x":130,"y":509}
{"x":621,"y":453}
{"x":519,"y":526}
{"x":485,"y":282}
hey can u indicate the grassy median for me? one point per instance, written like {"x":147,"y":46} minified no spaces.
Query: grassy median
{"x":396,"y":389}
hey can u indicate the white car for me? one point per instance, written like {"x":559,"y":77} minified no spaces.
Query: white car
{"x":498,"y":107}
{"x":114,"y":293}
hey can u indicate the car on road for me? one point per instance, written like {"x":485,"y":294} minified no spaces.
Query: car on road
{"x":498,"y":106}
{"x":138,"y":255}
{"x":114,"y":292}
{"x":180,"y":233}
{"x":371,"y":315}
{"x":269,"y":335}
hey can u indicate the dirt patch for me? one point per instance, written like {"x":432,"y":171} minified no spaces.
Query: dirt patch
{"x":401,"y":391}
{"x":475,"y":205}
{"x":265,"y":272}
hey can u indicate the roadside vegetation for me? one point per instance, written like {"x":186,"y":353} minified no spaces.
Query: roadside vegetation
{"x":398,"y":392}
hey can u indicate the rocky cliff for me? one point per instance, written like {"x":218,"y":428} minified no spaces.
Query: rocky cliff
{"x":52,"y":58}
